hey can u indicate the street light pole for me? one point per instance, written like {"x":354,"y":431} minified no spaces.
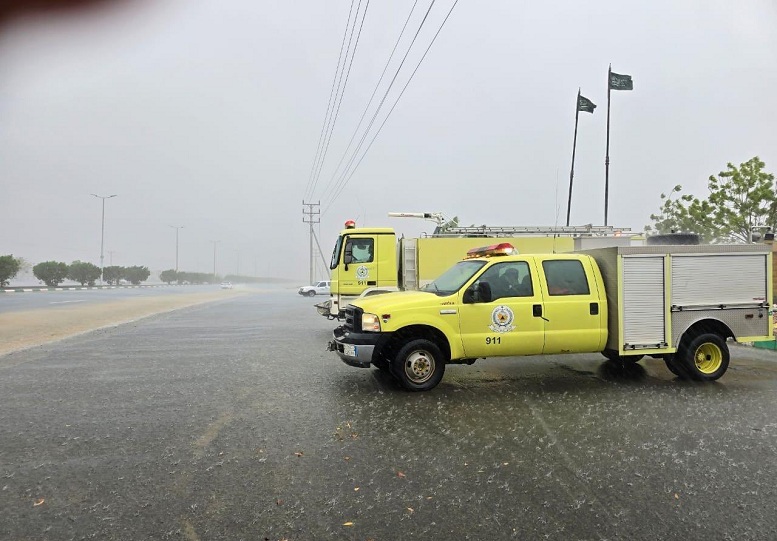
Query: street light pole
{"x":102,"y":234}
{"x":215,"y":242}
{"x":176,"y":245}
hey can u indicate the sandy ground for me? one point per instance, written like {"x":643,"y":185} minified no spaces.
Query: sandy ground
{"x":22,"y":330}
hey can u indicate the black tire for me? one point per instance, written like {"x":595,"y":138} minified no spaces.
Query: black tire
{"x":674,"y":367}
{"x":419,"y":365}
{"x":311,"y":293}
{"x":625,"y":359}
{"x":704,"y":358}
{"x":382,"y":364}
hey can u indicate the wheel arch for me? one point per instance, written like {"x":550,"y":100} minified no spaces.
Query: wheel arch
{"x":412,"y":332}
{"x":704,"y":326}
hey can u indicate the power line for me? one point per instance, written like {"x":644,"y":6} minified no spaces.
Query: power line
{"x":344,"y":184}
{"x":345,"y":84}
{"x":329,"y":104}
{"x":385,"y":68}
{"x":334,"y":187}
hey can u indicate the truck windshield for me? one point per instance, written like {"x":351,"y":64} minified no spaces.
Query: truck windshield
{"x":336,"y":253}
{"x":451,"y":280}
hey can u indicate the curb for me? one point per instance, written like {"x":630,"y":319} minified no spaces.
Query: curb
{"x":72,"y":288}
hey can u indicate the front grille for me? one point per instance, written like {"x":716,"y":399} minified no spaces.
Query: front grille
{"x":353,"y":318}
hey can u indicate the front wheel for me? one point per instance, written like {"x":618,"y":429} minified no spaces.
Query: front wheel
{"x":419,"y":365}
{"x":311,"y":293}
{"x":705,"y":357}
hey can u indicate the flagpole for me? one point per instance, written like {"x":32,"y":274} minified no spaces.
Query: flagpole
{"x":574,"y":147}
{"x":607,"y":152}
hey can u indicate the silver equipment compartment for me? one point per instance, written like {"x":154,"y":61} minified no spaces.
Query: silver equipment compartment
{"x":655,"y":293}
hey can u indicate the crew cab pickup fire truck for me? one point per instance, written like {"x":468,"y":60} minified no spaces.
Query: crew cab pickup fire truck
{"x":677,"y":303}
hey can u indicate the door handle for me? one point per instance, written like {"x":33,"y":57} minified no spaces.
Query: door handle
{"x":594,"y":310}
{"x":537,"y":311}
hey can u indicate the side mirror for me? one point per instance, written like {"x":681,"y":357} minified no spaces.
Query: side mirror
{"x":469,"y":295}
{"x":348,"y":255}
{"x":477,"y":292}
{"x":484,"y":292}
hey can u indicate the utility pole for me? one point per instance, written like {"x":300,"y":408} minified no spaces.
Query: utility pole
{"x":311,"y":216}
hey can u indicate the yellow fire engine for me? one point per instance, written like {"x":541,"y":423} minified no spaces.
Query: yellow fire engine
{"x":367,"y":261}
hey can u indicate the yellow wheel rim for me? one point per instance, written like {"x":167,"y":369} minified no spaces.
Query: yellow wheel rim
{"x":708,"y":358}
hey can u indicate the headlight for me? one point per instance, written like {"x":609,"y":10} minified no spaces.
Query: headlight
{"x":370,"y":323}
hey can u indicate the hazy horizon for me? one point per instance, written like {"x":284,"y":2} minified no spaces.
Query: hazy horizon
{"x":208,"y":116}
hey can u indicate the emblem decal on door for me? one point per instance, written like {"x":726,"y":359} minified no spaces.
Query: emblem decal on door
{"x":362,"y":272}
{"x":502,"y":319}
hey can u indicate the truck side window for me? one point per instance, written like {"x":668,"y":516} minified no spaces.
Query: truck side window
{"x":565,"y":277}
{"x":509,"y":280}
{"x":361,"y":250}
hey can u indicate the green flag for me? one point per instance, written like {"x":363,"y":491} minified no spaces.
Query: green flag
{"x":621,"y":82}
{"x":585,"y":105}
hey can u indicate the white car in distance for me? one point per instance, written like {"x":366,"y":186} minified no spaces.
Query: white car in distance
{"x":319,"y":288}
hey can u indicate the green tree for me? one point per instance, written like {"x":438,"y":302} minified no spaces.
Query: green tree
{"x":113,"y":274}
{"x":741,"y":201}
{"x":9,"y":266}
{"x":83,"y":272}
{"x":52,"y":273}
{"x":136,"y":274}
{"x":677,"y":215}
{"x":169,"y":276}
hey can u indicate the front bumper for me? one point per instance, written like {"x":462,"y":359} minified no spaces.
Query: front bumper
{"x":356,"y":349}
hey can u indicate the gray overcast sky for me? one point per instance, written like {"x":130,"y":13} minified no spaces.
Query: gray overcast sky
{"x":207,"y":114}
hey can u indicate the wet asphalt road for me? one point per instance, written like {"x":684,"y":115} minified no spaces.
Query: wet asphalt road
{"x":231,"y":421}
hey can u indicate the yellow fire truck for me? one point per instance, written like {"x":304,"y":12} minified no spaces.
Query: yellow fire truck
{"x":678,"y":303}
{"x":371,"y":260}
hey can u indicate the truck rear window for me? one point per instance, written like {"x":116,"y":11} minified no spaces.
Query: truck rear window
{"x":565,"y":277}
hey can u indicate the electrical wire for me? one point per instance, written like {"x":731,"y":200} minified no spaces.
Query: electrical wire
{"x":345,"y":183}
{"x":377,"y":86}
{"x":345,"y":84}
{"x":336,"y":186}
{"x":308,"y":191}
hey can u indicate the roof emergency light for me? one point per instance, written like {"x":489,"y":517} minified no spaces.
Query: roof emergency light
{"x":504,"y":248}
{"x":350,"y":224}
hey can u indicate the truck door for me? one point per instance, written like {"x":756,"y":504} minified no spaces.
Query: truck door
{"x":572,"y":306}
{"x":505,"y":325}
{"x":359,"y":269}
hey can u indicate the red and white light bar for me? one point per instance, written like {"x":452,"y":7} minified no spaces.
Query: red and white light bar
{"x":504,"y":248}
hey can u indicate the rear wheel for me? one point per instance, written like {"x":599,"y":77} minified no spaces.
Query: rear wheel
{"x":419,"y":365}
{"x":705,"y":357}
{"x":674,"y":367}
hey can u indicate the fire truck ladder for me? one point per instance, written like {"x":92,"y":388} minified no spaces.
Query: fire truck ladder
{"x":512,"y":231}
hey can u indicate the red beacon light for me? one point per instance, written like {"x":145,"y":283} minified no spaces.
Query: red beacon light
{"x":504,"y":248}
{"x":350,"y":224}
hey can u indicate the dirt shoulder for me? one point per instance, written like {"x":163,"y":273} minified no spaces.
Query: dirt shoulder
{"x":22,"y":330}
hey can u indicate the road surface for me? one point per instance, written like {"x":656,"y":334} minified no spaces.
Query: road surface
{"x":229,"y":420}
